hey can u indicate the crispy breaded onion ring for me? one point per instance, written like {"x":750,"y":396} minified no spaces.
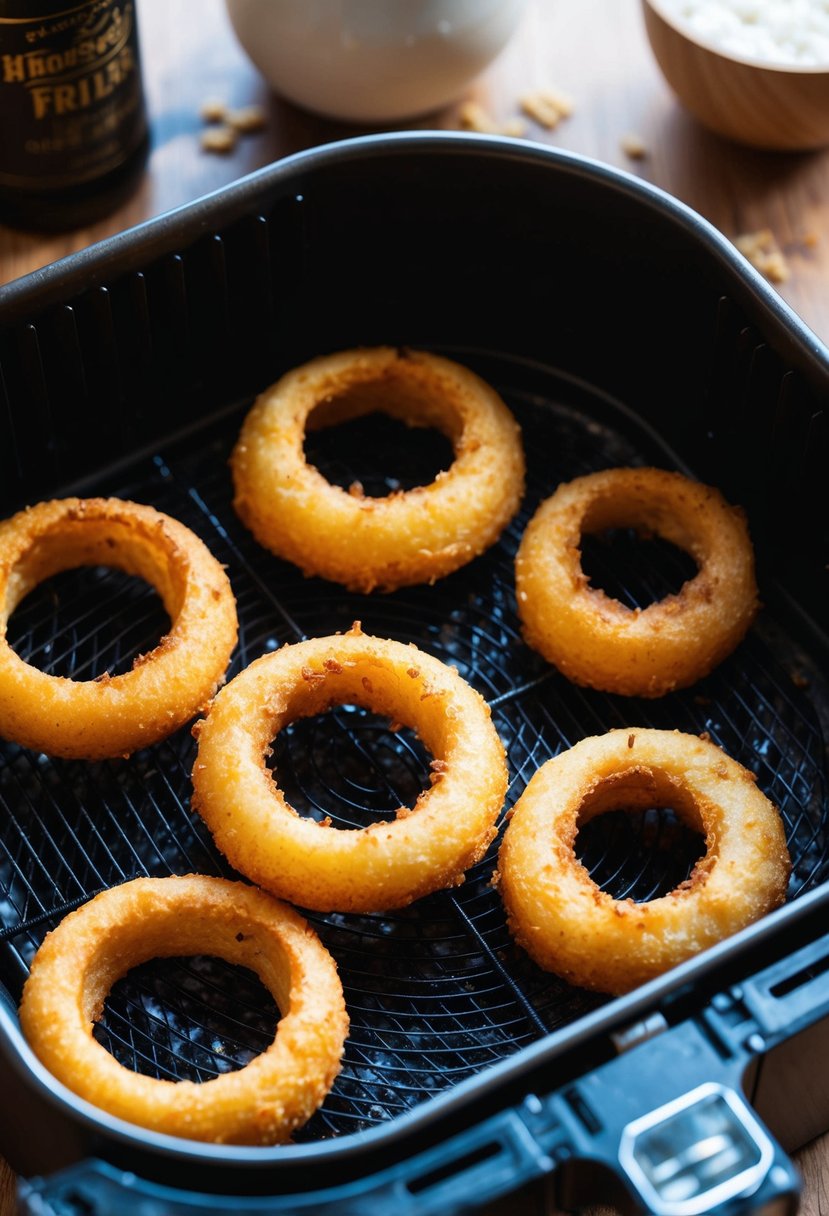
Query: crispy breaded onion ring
{"x":573,"y":928}
{"x":114,"y":715}
{"x":416,"y":536}
{"x":262,"y":1103}
{"x":388,"y":864}
{"x":598,"y":641}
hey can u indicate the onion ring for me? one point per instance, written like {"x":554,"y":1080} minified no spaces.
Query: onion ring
{"x":569,"y":926}
{"x":262,"y":1103}
{"x":388,"y":864}
{"x":416,"y":536}
{"x":114,"y":715}
{"x":598,"y":641}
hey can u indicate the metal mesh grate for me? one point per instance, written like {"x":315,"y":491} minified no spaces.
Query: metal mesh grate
{"x":438,"y":991}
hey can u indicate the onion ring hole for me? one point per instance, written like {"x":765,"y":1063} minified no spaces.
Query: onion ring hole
{"x":187,"y":1019}
{"x":634,"y":568}
{"x":638,"y":854}
{"x":64,"y":626}
{"x":379,"y":454}
{"x":350,"y":767}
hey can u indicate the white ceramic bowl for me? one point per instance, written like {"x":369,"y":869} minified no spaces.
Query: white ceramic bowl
{"x":372,"y":61}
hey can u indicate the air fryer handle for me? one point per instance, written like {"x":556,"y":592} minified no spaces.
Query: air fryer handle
{"x":649,"y":1136}
{"x":704,"y":1152}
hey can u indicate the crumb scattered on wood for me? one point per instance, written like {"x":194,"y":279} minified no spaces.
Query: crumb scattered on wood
{"x":472,"y":116}
{"x":634,"y":146}
{"x":225,"y":125}
{"x":213,"y":109}
{"x":220,"y":139}
{"x":764,"y":253}
{"x":247,"y":120}
{"x":547,"y":107}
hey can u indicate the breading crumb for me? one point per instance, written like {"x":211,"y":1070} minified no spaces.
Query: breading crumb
{"x":764,"y":253}
{"x":547,"y":107}
{"x":226,"y":125}
{"x":213,"y":109}
{"x":247,"y":120}
{"x":634,"y":146}
{"x":473,"y":117}
{"x":312,"y":677}
{"x":221,"y":139}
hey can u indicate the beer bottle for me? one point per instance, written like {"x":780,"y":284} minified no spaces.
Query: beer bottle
{"x":73,"y":125}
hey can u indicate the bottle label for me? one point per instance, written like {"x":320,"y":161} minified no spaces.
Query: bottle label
{"x":71,"y":95}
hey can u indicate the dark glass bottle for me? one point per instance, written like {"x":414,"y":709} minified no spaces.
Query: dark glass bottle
{"x":73,"y":124}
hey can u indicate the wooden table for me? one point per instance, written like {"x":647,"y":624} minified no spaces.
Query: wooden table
{"x":594,"y":50}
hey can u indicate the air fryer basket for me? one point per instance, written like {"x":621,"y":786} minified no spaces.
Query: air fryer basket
{"x":621,"y":330}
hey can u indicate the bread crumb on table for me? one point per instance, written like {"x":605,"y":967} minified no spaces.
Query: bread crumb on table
{"x":764,"y":253}
{"x":213,"y":109}
{"x":225,"y":126}
{"x":547,"y":107}
{"x":220,"y":139}
{"x":634,"y":146}
{"x":473,"y":117}
{"x":247,"y":120}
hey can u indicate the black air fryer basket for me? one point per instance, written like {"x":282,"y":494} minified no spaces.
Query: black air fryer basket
{"x":621,"y":329}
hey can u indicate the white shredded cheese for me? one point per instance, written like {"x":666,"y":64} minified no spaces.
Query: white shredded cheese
{"x":775,"y":31}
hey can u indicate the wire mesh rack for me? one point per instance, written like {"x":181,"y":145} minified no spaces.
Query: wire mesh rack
{"x":438,"y":991}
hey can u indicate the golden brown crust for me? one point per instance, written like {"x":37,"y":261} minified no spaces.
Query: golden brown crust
{"x":114,"y":715}
{"x":573,"y":928}
{"x":386,"y":865}
{"x":597,"y":641}
{"x":378,"y":543}
{"x":93,"y":947}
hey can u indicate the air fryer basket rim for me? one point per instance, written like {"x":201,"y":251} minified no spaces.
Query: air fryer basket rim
{"x":123,"y":250}
{"x":130,"y":250}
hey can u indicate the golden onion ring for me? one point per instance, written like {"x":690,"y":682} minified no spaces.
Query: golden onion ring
{"x":262,"y":1103}
{"x":416,"y":536}
{"x":594,"y":639}
{"x":114,"y":715}
{"x":388,"y":864}
{"x":569,"y":926}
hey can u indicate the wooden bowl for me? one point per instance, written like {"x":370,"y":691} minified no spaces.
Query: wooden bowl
{"x":777,"y":106}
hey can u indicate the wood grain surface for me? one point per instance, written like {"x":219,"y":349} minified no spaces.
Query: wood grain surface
{"x":594,"y":50}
